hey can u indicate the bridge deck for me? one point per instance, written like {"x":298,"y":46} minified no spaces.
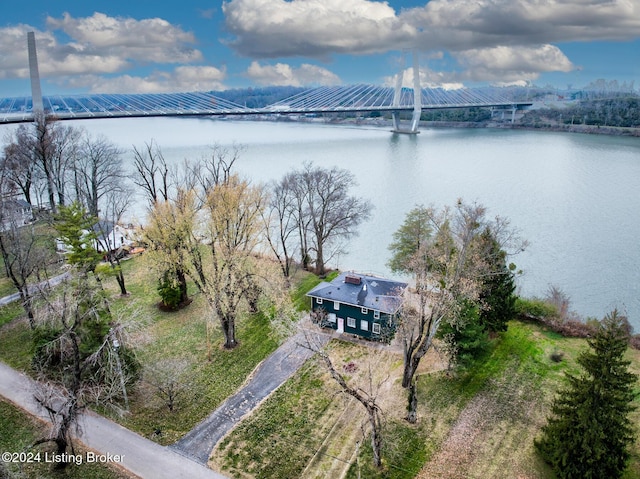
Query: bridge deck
{"x":357,"y":98}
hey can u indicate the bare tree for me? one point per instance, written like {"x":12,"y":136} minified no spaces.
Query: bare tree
{"x":63,"y":156}
{"x":18,"y":165}
{"x":170,"y":380}
{"x":25,"y":252}
{"x":448,"y":263}
{"x":98,"y":171}
{"x":215,"y":169}
{"x":223,"y":273}
{"x":26,"y":255}
{"x":366,"y":397}
{"x":115,"y":202}
{"x":333,"y":214}
{"x":152,"y":172}
{"x":281,"y":223}
{"x":561,"y":301}
{"x":44,"y":149}
{"x":77,"y":344}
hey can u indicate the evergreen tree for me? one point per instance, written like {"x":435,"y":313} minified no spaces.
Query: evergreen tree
{"x":76,"y":229}
{"x":497,"y":295}
{"x":589,"y":431}
{"x":465,"y":340}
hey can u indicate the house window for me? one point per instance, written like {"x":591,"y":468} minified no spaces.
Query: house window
{"x":376,"y":315}
{"x":376,"y":328}
{"x":319,"y":300}
{"x":364,"y":325}
{"x":331,"y":317}
{"x":336,"y":305}
{"x":364,"y":310}
{"x":351,"y":322}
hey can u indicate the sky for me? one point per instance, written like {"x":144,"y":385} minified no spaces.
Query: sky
{"x":143,"y":46}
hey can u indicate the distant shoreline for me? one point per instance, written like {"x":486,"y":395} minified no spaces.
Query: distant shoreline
{"x":507,"y":125}
{"x":584,"y":129}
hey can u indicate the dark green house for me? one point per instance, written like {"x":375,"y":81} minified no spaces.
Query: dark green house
{"x":358,"y":304}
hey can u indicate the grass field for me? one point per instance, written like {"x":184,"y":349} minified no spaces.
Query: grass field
{"x":156,"y":335}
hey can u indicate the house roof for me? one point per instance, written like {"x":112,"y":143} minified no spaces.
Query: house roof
{"x":361,"y":290}
{"x":103,"y":228}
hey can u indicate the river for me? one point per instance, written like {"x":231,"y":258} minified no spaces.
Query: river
{"x":574,"y":197}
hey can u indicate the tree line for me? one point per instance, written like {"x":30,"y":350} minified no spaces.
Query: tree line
{"x":209,"y":224}
{"x":619,"y":111}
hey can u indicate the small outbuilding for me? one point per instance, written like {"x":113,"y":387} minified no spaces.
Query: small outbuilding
{"x":359,"y":304}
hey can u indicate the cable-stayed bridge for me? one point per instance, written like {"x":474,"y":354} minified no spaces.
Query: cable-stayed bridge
{"x":338,"y":99}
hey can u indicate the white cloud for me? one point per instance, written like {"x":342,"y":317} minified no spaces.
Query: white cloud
{"x":316,"y":28}
{"x":498,"y":65}
{"x":279,"y":28}
{"x":99,"y":44}
{"x":181,"y":79}
{"x":282,"y":74}
{"x":465,"y":24}
{"x":428,"y":79}
{"x":494,"y":40}
{"x":509,"y":64}
{"x":150,"y":40}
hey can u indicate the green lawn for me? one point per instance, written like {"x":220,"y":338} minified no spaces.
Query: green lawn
{"x":283,"y":435}
{"x":478,"y":424}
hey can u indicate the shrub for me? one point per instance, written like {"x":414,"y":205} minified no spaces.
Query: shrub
{"x":535,"y":309}
{"x":573,"y":329}
{"x":169,"y":291}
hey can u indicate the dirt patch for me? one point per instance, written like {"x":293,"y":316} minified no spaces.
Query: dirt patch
{"x":493,"y":434}
{"x":458,"y":452}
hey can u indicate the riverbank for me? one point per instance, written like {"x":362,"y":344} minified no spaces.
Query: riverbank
{"x":504,"y":124}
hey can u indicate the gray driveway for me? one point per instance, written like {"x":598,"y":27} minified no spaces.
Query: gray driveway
{"x":268,"y":376}
{"x":137,"y":454}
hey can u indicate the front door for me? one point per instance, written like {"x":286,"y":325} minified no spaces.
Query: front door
{"x":340,"y":325}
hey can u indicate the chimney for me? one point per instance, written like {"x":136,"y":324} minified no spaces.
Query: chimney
{"x":352,"y":279}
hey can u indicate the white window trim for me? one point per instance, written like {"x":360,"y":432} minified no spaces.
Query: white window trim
{"x":376,"y":315}
{"x":319,"y":300}
{"x":364,"y":310}
{"x":336,"y":305}
{"x":331,"y":318}
{"x":364,"y":325}
{"x":351,"y":322}
{"x":375,"y":328}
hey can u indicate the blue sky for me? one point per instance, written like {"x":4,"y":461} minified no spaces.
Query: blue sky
{"x":196,"y":45}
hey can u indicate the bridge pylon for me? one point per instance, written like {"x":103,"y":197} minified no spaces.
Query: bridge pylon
{"x":37,"y":105}
{"x":417,"y":99}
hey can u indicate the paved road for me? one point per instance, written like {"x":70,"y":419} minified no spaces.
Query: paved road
{"x":141,"y":456}
{"x":272,"y":372}
{"x":56,"y":280}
